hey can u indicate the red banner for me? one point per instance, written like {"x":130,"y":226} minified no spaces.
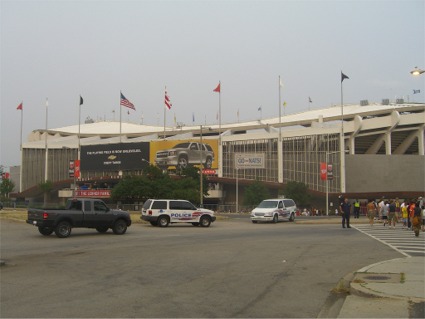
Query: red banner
{"x":77,"y":168}
{"x":323,"y":171}
{"x":96,"y":193}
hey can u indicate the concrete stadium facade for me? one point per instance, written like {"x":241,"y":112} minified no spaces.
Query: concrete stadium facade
{"x":374,"y":149}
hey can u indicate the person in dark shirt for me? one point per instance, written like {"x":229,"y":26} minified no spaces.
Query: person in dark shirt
{"x":346,"y":211}
{"x":392,"y":216}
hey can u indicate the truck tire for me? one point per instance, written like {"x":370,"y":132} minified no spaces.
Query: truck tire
{"x":120,"y":227}
{"x":102,"y":229}
{"x":45,"y":231}
{"x":292,"y":217}
{"x":163,"y":221}
{"x":208,"y":162}
{"x":275,"y":218}
{"x":63,"y":229}
{"x":205,"y":221}
{"x":182,"y":162}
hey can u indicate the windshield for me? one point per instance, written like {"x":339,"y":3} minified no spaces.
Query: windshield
{"x":268,"y":204}
{"x":182,"y":145}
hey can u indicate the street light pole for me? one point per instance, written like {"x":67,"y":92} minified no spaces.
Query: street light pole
{"x":237,"y":190}
{"x":327,"y":181}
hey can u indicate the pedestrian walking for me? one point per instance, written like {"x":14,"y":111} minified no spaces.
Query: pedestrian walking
{"x":397,"y":209}
{"x":422,"y":207}
{"x":381,"y":205}
{"x":392,"y":216}
{"x":371,"y":211}
{"x":417,"y":218}
{"x":384,"y":212}
{"x":346,"y":211}
{"x":411,"y":212}
{"x":405,"y":214}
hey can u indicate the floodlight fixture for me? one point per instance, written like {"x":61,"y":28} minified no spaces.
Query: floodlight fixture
{"x":417,"y":71}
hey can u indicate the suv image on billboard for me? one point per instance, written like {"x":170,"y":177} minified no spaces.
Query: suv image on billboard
{"x":184,"y":154}
{"x":274,"y":210}
{"x":161,"y":212}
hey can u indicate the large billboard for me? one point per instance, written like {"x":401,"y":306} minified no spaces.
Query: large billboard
{"x":115,"y":157}
{"x":175,"y":154}
{"x":166,"y":154}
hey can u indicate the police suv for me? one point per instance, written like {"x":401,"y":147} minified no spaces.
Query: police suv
{"x":162,"y":212}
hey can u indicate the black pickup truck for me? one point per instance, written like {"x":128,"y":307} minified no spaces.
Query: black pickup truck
{"x":83,"y":213}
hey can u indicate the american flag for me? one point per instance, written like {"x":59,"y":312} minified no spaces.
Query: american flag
{"x":167,"y":101}
{"x":126,"y":103}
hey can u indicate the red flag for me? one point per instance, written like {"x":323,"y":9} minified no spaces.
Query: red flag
{"x":19,"y":107}
{"x":167,"y":101}
{"x":217,"y":89}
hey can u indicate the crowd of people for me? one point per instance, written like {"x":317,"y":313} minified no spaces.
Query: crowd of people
{"x":411,"y":213}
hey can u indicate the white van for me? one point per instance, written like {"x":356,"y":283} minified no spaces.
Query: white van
{"x":161,"y":212}
{"x":274,"y":210}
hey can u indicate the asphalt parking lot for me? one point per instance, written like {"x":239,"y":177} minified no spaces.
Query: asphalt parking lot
{"x":232,"y":269}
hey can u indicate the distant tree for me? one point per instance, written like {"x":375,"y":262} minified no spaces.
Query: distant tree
{"x":298,"y":191}
{"x":255,"y":193}
{"x":154,"y":183}
{"x":6,"y":187}
{"x":46,"y":187}
{"x":192,"y":173}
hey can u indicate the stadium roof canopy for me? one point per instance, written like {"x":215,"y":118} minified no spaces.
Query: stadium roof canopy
{"x":108,"y":132}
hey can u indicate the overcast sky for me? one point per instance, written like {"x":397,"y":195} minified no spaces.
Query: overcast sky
{"x":61,"y":49}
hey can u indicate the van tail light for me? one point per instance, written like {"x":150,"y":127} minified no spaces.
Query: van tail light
{"x":45,"y":215}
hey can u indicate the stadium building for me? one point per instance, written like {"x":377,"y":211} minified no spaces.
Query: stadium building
{"x":363,"y":151}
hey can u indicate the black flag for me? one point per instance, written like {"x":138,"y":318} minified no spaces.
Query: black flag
{"x":81,"y":100}
{"x":343,"y":76}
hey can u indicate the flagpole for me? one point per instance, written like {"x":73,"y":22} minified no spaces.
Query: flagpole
{"x":218,"y":90}
{"x":120,"y":116}
{"x":164,"y":111}
{"x":342,"y":147}
{"x":219,"y":111}
{"x":279,"y":144}
{"x":220,"y":146}
{"x":79,"y":130}
{"x":342,"y":110}
{"x":20,"y":147}
{"x":280,"y":112}
{"x":22,"y":119}
{"x":45,"y":144}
